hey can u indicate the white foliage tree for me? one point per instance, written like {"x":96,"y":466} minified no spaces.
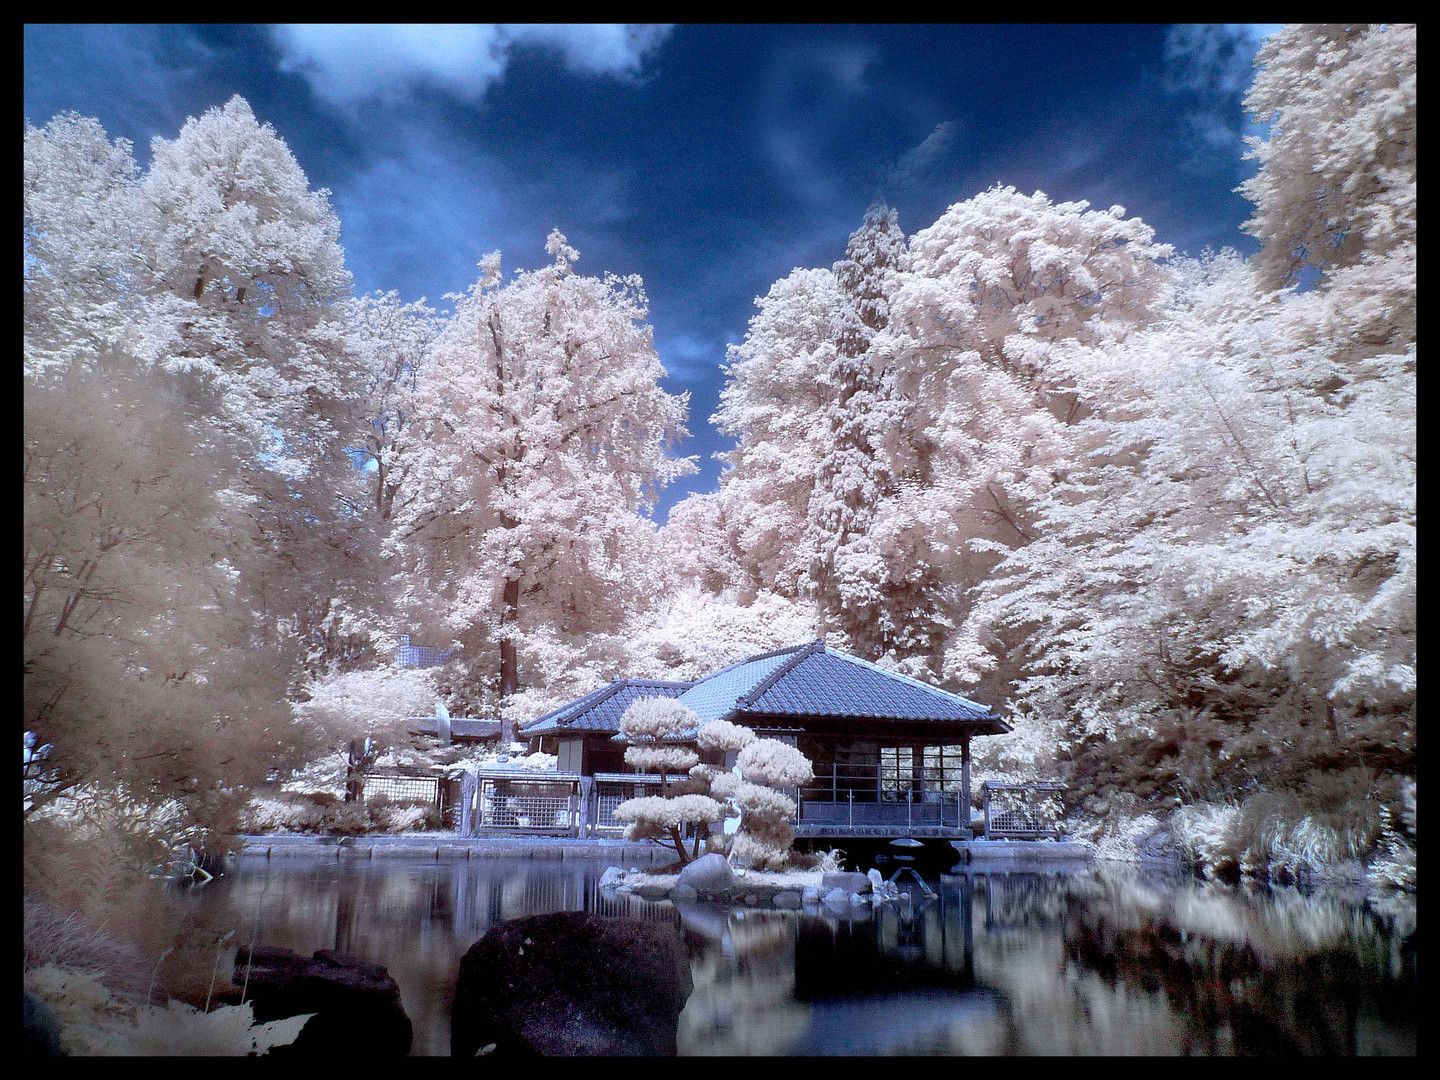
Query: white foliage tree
{"x":540,"y":436}
{"x":84,"y":234}
{"x":849,"y":576}
{"x":249,"y":305}
{"x":177,"y":429}
{"x":1237,"y":560}
{"x":690,"y":632}
{"x":372,"y":702}
{"x":774,"y":401}
{"x":1336,"y":184}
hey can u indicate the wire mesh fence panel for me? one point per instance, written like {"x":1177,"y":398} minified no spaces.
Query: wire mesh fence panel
{"x":606,"y":801}
{"x":612,"y":789}
{"x":536,"y":806}
{"x":1029,"y":810}
{"x":413,"y":789}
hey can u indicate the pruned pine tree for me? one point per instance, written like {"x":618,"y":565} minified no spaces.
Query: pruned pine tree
{"x":661,"y":733}
{"x":765,"y":837}
{"x":541,"y":436}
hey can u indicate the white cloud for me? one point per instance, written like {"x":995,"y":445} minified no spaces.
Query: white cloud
{"x":690,"y":357}
{"x":348,"y":64}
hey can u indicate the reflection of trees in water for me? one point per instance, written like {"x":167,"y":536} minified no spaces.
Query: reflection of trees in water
{"x":1094,"y":962}
{"x":1263,"y":973}
{"x":1021,"y":901}
{"x":417,"y":920}
{"x":743,"y":965}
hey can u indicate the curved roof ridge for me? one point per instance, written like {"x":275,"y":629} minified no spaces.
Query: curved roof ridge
{"x":582,"y":703}
{"x":911,"y":681}
{"x":749,"y":660}
{"x":800,"y":653}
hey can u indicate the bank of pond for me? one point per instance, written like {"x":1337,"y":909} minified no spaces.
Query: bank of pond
{"x":1022,"y":959}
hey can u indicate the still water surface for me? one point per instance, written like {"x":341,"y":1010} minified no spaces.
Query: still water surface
{"x":1088,"y":961}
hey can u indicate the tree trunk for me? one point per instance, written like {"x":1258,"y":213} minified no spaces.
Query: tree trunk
{"x":679,"y":842}
{"x":965,"y":782}
{"x":509,"y":667}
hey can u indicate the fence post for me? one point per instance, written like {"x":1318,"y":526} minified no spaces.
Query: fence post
{"x":851,"y":793}
{"x":909,"y":811}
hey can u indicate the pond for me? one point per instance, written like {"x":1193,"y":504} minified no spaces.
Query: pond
{"x":1095,"y":960}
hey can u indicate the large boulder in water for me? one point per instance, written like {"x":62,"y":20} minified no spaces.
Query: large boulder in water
{"x":707,"y":874}
{"x":356,"y":1004}
{"x":569,"y":984}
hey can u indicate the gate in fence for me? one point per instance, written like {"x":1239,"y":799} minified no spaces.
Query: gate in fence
{"x":609,"y":790}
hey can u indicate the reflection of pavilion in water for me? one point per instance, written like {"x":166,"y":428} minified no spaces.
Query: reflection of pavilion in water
{"x":923,"y":941}
{"x":902,"y":979}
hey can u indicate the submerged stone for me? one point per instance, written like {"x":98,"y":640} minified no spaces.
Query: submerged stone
{"x":849,"y":880}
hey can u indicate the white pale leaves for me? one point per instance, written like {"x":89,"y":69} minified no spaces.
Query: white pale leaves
{"x":538,"y":437}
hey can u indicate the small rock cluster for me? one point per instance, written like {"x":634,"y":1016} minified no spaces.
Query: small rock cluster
{"x":710,"y":877}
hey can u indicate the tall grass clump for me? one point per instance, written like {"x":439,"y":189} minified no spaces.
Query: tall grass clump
{"x":1330,"y":819}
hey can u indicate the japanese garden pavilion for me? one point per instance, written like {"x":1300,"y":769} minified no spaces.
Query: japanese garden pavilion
{"x":891,"y":753}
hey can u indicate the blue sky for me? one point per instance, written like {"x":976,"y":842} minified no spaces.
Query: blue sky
{"x":711,"y":160}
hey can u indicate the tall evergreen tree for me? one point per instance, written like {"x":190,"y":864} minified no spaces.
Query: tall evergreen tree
{"x":847,"y":574}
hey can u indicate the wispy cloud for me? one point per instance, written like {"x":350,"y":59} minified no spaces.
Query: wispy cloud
{"x":348,"y":65}
{"x":690,"y":358}
{"x":427,"y":211}
{"x":1209,"y":67}
{"x":810,"y":97}
{"x":1213,"y":59}
{"x":918,"y":163}
{"x":144,"y":75}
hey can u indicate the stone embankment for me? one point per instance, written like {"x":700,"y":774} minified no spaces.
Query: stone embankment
{"x":448,"y":846}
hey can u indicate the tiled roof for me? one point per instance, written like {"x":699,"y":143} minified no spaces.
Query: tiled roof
{"x":714,"y":696}
{"x":421,"y":656}
{"x":600,"y":710}
{"x":823,"y":682}
{"x":811,"y":680}
{"x":801,"y":681}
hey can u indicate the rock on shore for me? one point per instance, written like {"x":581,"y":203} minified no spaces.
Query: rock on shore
{"x":356,"y":1004}
{"x":568,"y":984}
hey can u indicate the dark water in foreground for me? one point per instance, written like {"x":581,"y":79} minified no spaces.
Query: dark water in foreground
{"x":1092,"y":961}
